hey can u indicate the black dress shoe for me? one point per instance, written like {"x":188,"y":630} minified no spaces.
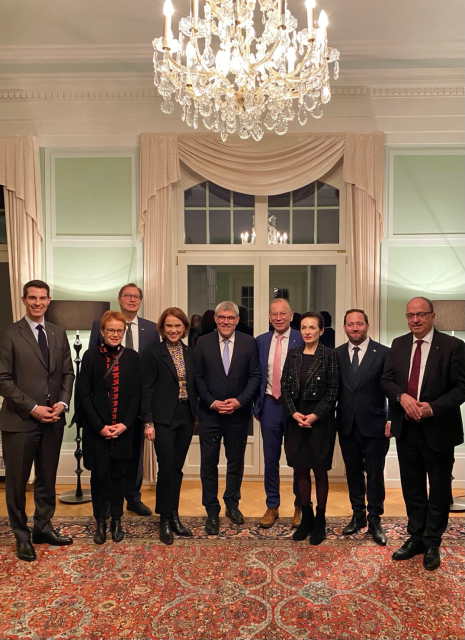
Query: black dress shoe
{"x":178,"y":527}
{"x":100,"y":534}
{"x":117,"y":533}
{"x":51,"y":537}
{"x":212,"y":525}
{"x":408,"y":550}
{"x":166,"y":535}
{"x":377,"y":533}
{"x":140,"y":508}
{"x":235,"y":516}
{"x":432,"y":559}
{"x":25,"y":550}
{"x":354,"y":525}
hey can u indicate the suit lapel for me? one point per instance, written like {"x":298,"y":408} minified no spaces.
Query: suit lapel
{"x":348,"y":365}
{"x":406,"y":356}
{"x":141,"y":334}
{"x":168,"y":359}
{"x":431,"y":360}
{"x":367,"y":360}
{"x":51,"y":339}
{"x":27,"y":334}
{"x":235,"y":352}
{"x":188,"y":359}
{"x":264,"y":361}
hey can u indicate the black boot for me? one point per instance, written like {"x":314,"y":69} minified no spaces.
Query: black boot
{"x":166,"y":535}
{"x":306,"y":523}
{"x":178,"y":527}
{"x":100,"y":534}
{"x":319,"y":528}
{"x":117,"y":534}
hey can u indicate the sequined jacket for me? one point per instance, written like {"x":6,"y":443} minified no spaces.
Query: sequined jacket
{"x":322,"y":381}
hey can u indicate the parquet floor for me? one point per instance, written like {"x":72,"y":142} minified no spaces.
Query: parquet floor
{"x":252,"y":503}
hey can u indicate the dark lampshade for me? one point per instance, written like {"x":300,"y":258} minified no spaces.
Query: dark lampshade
{"x":75,"y":315}
{"x":450,"y":315}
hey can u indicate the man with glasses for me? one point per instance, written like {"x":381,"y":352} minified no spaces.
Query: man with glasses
{"x":268,"y":405}
{"x":141,"y":335}
{"x":424,"y":380}
{"x":227,"y":377}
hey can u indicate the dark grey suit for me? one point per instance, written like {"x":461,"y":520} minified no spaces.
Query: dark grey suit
{"x":26,"y":382}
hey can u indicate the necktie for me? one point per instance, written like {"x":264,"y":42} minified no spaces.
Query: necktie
{"x":129,"y":340}
{"x":355,"y":362}
{"x":43,"y":346}
{"x":412,"y":387}
{"x":226,"y":356}
{"x":276,"y":382}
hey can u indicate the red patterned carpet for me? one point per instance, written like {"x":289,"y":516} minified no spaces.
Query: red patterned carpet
{"x":246,"y":584}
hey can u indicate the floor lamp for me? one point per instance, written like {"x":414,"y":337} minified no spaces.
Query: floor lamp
{"x":450,"y":316}
{"x":76,"y":315}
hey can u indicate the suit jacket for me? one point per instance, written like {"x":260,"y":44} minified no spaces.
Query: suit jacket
{"x":161,"y":384}
{"x":322,"y":381}
{"x":443,"y":387}
{"x":148,"y":335}
{"x":96,"y":407}
{"x":25,"y":380}
{"x":212,"y":383}
{"x":264,"y":344}
{"x":361,"y":396}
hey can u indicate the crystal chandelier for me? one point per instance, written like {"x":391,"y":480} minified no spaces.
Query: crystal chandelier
{"x":239,"y":81}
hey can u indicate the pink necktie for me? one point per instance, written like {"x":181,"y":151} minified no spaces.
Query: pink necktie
{"x":276,"y":384}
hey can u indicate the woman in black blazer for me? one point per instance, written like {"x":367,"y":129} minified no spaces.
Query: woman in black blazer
{"x":169,"y":407}
{"x":109,"y":392}
{"x":309,"y":387}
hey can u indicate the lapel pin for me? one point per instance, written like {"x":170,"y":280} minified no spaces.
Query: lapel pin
{"x":374,"y":350}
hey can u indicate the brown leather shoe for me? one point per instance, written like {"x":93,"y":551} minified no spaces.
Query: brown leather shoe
{"x":269,"y":518}
{"x":297,"y":517}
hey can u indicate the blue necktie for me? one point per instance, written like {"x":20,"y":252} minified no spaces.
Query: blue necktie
{"x":226,"y":356}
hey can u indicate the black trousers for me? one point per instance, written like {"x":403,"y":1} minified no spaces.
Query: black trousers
{"x":107,"y":485}
{"x":135,"y":469}
{"x":235,"y":440}
{"x":171,"y":446}
{"x":365,"y":455}
{"x":41,"y":447}
{"x":428,"y":513}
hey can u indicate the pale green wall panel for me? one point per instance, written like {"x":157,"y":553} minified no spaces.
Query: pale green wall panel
{"x":429,"y":194}
{"x":93,"y":196}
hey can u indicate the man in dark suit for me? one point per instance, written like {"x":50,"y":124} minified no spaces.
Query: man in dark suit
{"x":424,"y":380}
{"x":362,"y":423}
{"x":141,"y":335}
{"x":268,"y":404}
{"x":36,"y":382}
{"x":227,"y":377}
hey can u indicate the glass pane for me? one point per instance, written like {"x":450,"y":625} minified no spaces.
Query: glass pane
{"x":220,"y":227}
{"x":218,"y":197}
{"x":328,"y":196}
{"x":327,"y":230}
{"x":307,"y":287}
{"x":278,"y":222}
{"x":243,"y":222}
{"x":195,"y":227}
{"x":196,"y":196}
{"x":305,"y":197}
{"x":280,"y":200}
{"x":303,"y":226}
{"x":243,"y":200}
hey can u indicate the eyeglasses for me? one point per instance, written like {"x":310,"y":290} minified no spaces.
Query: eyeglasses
{"x":279,"y":314}
{"x":226,"y":318}
{"x":118,"y":332}
{"x":130,"y":296}
{"x":420,"y":314}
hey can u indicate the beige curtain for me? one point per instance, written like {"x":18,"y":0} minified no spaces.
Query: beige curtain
{"x":269,"y":167}
{"x":20,"y":176}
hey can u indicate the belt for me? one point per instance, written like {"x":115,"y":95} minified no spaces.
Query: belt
{"x":279,"y":400}
{"x":183,"y":400}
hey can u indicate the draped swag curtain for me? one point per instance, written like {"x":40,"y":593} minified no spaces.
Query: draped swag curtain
{"x":20,"y":177}
{"x":267,"y":168}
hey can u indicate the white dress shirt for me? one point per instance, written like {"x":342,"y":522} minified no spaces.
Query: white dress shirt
{"x":135,"y":334}
{"x":425,"y":349}
{"x":33,"y":324}
{"x":363,"y":346}
{"x":284,"y":350}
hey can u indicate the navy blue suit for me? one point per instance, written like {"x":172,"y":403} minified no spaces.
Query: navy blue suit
{"x":148,"y":338}
{"x":272,"y":419}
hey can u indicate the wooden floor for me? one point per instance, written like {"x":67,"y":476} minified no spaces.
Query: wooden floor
{"x":252,"y":503}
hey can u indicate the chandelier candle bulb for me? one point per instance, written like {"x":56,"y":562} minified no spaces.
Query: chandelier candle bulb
{"x":168,"y":11}
{"x":195,"y":11}
{"x":280,"y":8}
{"x":323,"y":20}
{"x":310,"y":4}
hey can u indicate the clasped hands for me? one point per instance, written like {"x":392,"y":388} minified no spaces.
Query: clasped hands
{"x":414,"y":409}
{"x":226,"y":406}
{"x":48,"y":414}
{"x":111,"y":431}
{"x":303,"y":420}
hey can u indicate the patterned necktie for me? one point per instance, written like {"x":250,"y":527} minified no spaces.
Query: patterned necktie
{"x":43,"y":346}
{"x":276,"y":384}
{"x":225,"y":357}
{"x":412,"y":387}
{"x":355,"y":362}
{"x":129,"y":339}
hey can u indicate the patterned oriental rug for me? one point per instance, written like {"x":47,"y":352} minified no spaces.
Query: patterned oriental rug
{"x":247,"y":583}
